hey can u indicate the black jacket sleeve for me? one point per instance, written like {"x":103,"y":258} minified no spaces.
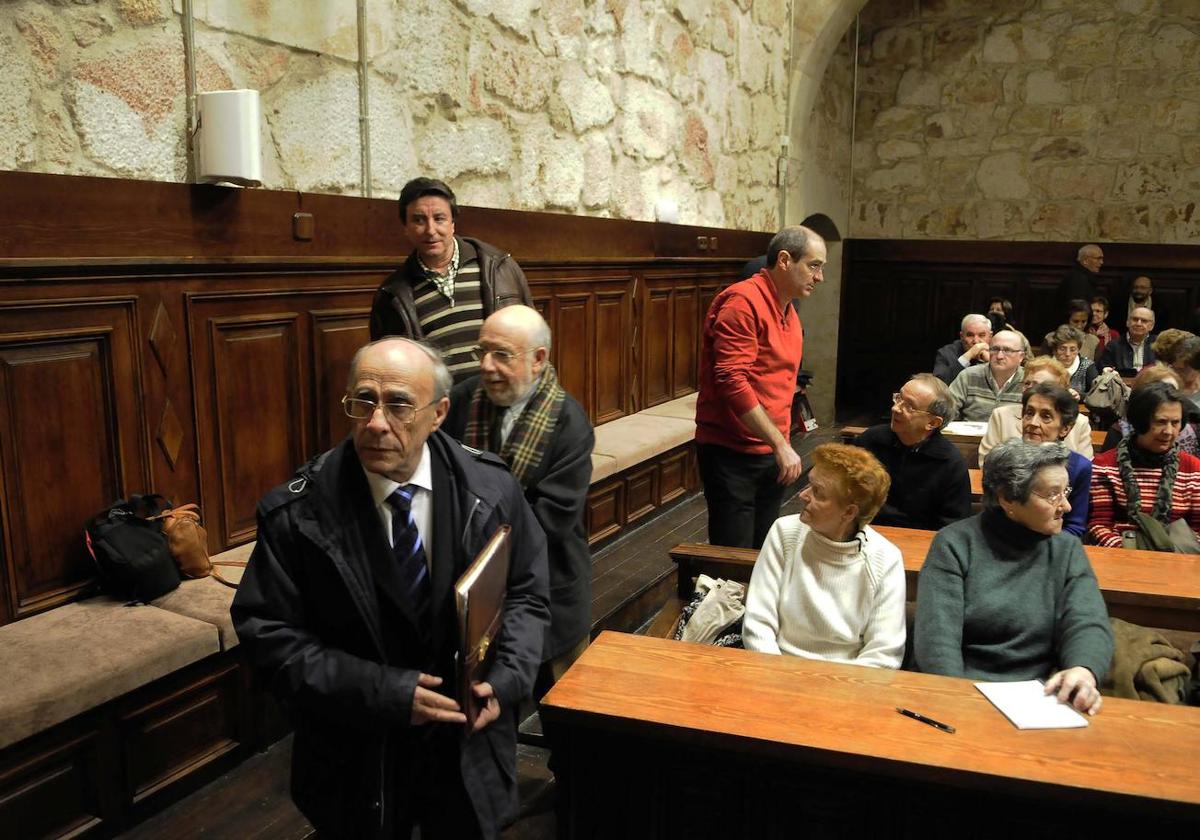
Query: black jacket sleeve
{"x":956,"y":493}
{"x":946,"y":365}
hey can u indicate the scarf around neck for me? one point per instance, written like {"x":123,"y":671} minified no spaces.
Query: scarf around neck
{"x":1130,"y":456}
{"x":526,"y":446}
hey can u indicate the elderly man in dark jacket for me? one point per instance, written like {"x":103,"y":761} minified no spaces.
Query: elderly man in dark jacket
{"x":449,"y":284}
{"x":348,"y":609}
{"x":517,"y":408}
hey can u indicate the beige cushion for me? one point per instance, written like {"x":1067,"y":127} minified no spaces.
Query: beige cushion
{"x":639,"y":437}
{"x":208,"y":600}
{"x":683,"y":408}
{"x":602,"y":467}
{"x":75,"y":657}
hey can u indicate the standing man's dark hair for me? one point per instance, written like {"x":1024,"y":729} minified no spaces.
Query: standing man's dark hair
{"x":449,"y":285}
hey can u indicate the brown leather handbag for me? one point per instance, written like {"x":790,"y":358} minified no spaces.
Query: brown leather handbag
{"x":188,"y":543}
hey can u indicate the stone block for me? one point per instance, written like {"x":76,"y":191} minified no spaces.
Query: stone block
{"x":393,"y":148}
{"x":517,"y":73}
{"x":1190,"y":150}
{"x":1101,"y":84}
{"x":752,"y":69}
{"x":1091,"y":180}
{"x":513,"y":14}
{"x":1181,"y":115}
{"x":1124,"y":222}
{"x":766,"y":122}
{"x":563,"y":174}
{"x":1175,"y":45}
{"x":319,"y":154}
{"x":919,"y":87}
{"x":260,"y":65}
{"x":587,"y":100}
{"x":1064,"y":220}
{"x":957,"y":42}
{"x":1030,"y":118}
{"x":898,"y":122}
{"x":878,"y":78}
{"x":1144,"y":180}
{"x":674,"y":45}
{"x":772,"y":13}
{"x":637,"y":43}
{"x":896,"y":45}
{"x":1008,"y":142}
{"x":890,"y":151}
{"x":564,"y":27}
{"x":1077,"y":119}
{"x":975,"y":87}
{"x":142,"y":12}
{"x":947,"y":220}
{"x":1003,"y":175}
{"x":330,"y":30}
{"x":904,"y":176}
{"x":695,"y":157}
{"x":475,"y":144}
{"x":1090,"y":43}
{"x":1016,"y":42}
{"x":649,"y":120}
{"x":90,"y":25}
{"x":1159,"y":144}
{"x":43,"y":37}
{"x":999,"y":219}
{"x":692,"y":12}
{"x":941,"y":125}
{"x":955,"y":178}
{"x":57,"y":142}
{"x":1043,"y":87}
{"x":737,"y":137}
{"x":712,"y":68}
{"x":429,"y":56}
{"x":973,"y":146}
{"x":485,"y":191}
{"x":720,"y":30}
{"x":1177,"y":222}
{"x":1058,"y":148}
{"x":18,"y":132}
{"x":597,"y":170}
{"x":876,"y":218}
{"x":634,"y":191}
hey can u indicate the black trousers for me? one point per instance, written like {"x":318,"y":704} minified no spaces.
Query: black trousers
{"x":742,"y":493}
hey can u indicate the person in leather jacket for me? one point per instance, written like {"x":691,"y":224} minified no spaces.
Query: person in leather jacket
{"x":449,"y":284}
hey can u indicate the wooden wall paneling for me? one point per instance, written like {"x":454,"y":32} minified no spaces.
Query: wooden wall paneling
{"x":71,"y":439}
{"x":574,"y":320}
{"x":55,"y":786}
{"x":337,"y":336}
{"x":613,"y":394}
{"x":953,"y":298}
{"x":605,"y":510}
{"x":641,"y":493}
{"x":674,"y":475}
{"x":686,"y":327}
{"x":1175,"y":305}
{"x":657,"y":345}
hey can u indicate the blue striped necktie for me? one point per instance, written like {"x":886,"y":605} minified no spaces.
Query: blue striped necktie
{"x":412,"y":569}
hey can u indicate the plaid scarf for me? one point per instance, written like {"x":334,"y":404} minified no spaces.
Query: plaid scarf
{"x":525,"y":447}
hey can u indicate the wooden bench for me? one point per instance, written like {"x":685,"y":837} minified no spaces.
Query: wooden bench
{"x":1150,"y":588}
{"x":119,"y":709}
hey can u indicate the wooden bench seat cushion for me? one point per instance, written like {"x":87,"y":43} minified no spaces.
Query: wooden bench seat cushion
{"x":77,"y":656}
{"x":629,"y":441}
{"x":207,"y":599}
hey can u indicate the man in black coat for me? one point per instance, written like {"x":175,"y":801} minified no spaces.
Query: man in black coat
{"x":516,"y":408}
{"x":347,"y":607}
{"x":1133,"y":351}
{"x":1081,"y":282}
{"x":930,"y":484}
{"x":449,"y":284}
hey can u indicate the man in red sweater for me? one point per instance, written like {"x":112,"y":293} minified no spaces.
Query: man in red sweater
{"x":748,"y":364}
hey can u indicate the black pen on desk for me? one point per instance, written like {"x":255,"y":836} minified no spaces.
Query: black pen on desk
{"x":936,"y":724}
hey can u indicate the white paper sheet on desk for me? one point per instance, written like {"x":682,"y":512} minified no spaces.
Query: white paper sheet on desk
{"x":1028,"y":706}
{"x":966,"y":427}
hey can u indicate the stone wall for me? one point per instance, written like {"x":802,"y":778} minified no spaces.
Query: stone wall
{"x":1029,"y":119}
{"x":596,"y":107}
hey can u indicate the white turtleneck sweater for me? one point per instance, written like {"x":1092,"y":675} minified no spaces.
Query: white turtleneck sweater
{"x":841,"y":601}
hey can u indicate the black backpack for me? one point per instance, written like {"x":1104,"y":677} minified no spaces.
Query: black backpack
{"x":130,"y":549}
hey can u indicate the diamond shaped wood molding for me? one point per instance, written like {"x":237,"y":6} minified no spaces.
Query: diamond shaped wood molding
{"x":170,"y":434}
{"x":162,"y":336}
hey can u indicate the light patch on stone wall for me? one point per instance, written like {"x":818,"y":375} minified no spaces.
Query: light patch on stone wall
{"x":124,"y":139}
{"x":318,"y":154}
{"x":393,"y":150}
{"x":16,"y":87}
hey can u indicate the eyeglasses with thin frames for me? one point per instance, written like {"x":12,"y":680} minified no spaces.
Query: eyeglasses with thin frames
{"x":1009,"y":350}
{"x":1055,"y":499}
{"x":905,"y":406}
{"x":398,"y":412}
{"x":500,"y":357}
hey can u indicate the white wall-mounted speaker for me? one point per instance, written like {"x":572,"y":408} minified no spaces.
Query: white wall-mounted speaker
{"x":228,"y":148}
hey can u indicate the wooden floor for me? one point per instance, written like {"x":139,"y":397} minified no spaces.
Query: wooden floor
{"x":631,"y":577}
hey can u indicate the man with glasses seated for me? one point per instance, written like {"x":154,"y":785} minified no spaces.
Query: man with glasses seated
{"x":516,"y":408}
{"x":979,"y":389}
{"x":347,"y":608}
{"x":930,"y":484}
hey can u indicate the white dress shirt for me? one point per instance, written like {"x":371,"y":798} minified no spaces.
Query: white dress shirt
{"x":509,"y":421}
{"x":422,"y":501}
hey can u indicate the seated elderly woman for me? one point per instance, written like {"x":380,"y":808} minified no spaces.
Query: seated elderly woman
{"x":826,"y":585}
{"x":1079,"y":315}
{"x":1047,"y":414}
{"x":1066,"y":343}
{"x":1157,"y":372}
{"x":1146,"y":479}
{"x":1005,"y":422}
{"x":1006,"y":595}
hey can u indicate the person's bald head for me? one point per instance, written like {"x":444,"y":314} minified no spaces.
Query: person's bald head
{"x":514,"y":349}
{"x":1006,"y":354}
{"x":1140,"y":324}
{"x":396,"y":397}
{"x":1091,"y":258}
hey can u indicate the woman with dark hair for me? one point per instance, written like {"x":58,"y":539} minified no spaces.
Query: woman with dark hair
{"x":1146,"y":479}
{"x":1099,"y":326}
{"x":1006,"y":595}
{"x":1079,"y":313}
{"x":1066,"y":343}
{"x":1048,"y":413}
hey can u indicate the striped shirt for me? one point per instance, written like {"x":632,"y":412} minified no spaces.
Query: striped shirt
{"x":1109,"y":517}
{"x":975,"y":394}
{"x":453,"y":328}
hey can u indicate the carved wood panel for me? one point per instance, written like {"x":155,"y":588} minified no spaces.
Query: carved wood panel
{"x":71,"y":440}
{"x":337,"y":335}
{"x":684,"y":333}
{"x":573,"y":319}
{"x":656,"y":343}
{"x":612,"y":392}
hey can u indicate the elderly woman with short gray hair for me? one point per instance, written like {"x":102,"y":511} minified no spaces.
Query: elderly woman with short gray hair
{"x":1007,"y":595}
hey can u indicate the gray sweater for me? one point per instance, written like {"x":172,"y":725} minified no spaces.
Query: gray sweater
{"x":997,"y":601}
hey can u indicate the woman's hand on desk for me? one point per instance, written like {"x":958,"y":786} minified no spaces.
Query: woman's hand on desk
{"x":1078,"y":687}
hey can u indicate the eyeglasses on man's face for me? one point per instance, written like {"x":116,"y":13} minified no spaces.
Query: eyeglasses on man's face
{"x":904,"y":405}
{"x":500,"y":357}
{"x":1004,"y":350}
{"x":400,"y":413}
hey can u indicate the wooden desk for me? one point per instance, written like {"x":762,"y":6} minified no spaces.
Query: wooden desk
{"x":656,"y":738}
{"x":1145,"y":587}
